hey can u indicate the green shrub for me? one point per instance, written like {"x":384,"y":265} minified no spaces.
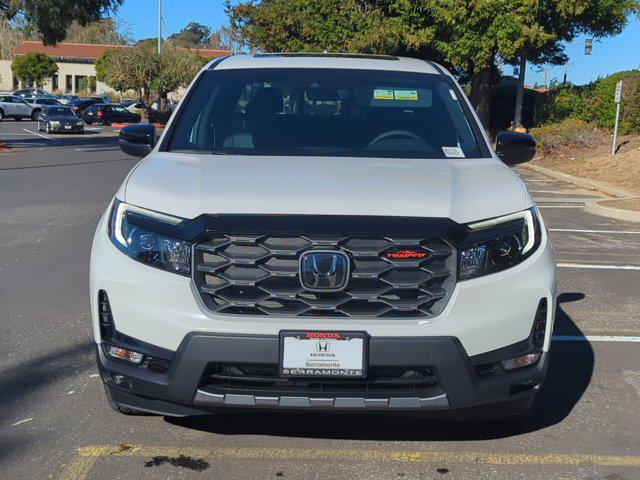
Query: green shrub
{"x":565,"y":102}
{"x":600,"y":108}
{"x":571,"y":132}
{"x":594,"y":103}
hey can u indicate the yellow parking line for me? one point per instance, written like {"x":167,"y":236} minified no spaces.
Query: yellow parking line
{"x":86,"y":457}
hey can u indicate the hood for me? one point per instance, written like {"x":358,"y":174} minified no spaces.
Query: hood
{"x":187,"y":185}
{"x":63,"y":118}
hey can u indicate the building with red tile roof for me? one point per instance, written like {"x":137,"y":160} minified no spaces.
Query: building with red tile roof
{"x":75,"y":63}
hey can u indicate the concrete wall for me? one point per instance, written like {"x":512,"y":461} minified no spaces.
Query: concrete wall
{"x":74,"y":70}
{"x":5,"y":76}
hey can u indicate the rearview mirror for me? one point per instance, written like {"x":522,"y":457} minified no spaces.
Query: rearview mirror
{"x":514,"y":147}
{"x":138,"y":140}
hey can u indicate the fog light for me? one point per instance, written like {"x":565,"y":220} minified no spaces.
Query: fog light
{"x":124,"y":354}
{"x":520,"y":362}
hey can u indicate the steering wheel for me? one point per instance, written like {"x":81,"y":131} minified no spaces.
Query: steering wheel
{"x":397,"y":133}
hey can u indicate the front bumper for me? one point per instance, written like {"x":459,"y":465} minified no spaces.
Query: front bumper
{"x":61,"y":129}
{"x":184,"y":390}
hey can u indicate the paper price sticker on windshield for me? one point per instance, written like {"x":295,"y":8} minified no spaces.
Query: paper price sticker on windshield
{"x":453,"y":152}
{"x":383,"y":94}
{"x":411,"y":95}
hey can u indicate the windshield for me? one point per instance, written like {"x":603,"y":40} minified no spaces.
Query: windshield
{"x":325,"y":112}
{"x":60,"y":112}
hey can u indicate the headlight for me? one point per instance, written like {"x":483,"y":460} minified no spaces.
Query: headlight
{"x":55,"y":123}
{"x":506,"y":241}
{"x":144,"y":245}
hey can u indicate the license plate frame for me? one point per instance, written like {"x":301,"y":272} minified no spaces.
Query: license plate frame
{"x":346,"y":369}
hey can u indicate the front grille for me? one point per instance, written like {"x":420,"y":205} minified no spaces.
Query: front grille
{"x":264,"y":380}
{"x":258,"y":275}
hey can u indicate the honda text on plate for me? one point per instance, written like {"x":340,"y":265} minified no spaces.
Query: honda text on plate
{"x":321,"y":232}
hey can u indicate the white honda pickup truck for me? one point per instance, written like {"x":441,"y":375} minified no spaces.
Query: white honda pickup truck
{"x":323,"y":232}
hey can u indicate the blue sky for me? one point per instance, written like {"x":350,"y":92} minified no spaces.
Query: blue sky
{"x":609,"y":54}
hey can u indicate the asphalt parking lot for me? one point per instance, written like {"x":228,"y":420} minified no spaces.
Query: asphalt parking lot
{"x":55,"y":422}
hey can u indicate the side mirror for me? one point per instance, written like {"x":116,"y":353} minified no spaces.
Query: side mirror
{"x":514,"y":148}
{"x":137,"y":140}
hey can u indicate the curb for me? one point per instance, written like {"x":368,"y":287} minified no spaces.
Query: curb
{"x":581,"y":182}
{"x":122,"y":125}
{"x":611,"y":212}
{"x":594,"y":207}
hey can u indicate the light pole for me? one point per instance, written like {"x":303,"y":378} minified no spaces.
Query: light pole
{"x":159,"y":27}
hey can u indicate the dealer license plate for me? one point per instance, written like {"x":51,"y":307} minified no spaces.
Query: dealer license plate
{"x":323,"y":354}
{"x":67,"y":127}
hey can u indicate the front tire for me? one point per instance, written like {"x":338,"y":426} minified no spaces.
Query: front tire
{"x":122,"y":409}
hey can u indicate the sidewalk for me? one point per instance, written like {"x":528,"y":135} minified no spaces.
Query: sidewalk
{"x":623,"y":204}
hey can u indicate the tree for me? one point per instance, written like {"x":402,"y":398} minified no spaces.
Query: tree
{"x":313,"y":25}
{"x":140,"y":68}
{"x":129,"y":68}
{"x":9,"y":38}
{"x":465,"y":35}
{"x":106,"y":31}
{"x":88,"y":84}
{"x":177,"y":67}
{"x":52,"y":18}
{"x":34,"y":67}
{"x":223,"y":39}
{"x":194,"y":35}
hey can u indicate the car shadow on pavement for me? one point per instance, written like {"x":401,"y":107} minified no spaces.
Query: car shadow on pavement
{"x":570,"y":370}
{"x":61,"y":140}
{"x":22,"y":380}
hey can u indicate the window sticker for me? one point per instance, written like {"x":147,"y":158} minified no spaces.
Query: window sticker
{"x":411,"y":95}
{"x":453,"y":152}
{"x":383,"y":94}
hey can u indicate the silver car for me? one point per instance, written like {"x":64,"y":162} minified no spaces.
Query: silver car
{"x":12,"y":106}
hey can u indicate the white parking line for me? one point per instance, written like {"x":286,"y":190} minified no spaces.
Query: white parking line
{"x":39,"y":134}
{"x":597,"y":266}
{"x":594,"y":338}
{"x":572,"y":230}
{"x":561,"y":206}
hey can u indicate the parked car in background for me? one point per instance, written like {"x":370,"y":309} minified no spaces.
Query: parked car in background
{"x":136,"y":107}
{"x":81,"y":104}
{"x":108,"y":114}
{"x":32,"y":93}
{"x":59,"y":119}
{"x":101,"y":99}
{"x":66,"y":98}
{"x":171,"y":105}
{"x":126,"y":102}
{"x":15,"y":107}
{"x":40,"y":103}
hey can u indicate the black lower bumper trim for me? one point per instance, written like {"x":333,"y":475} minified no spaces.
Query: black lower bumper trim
{"x":180,"y":391}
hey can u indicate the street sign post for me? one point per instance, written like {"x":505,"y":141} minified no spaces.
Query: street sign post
{"x":617,"y":99}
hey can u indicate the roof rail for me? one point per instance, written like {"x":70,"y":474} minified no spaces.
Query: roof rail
{"x":327,"y":54}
